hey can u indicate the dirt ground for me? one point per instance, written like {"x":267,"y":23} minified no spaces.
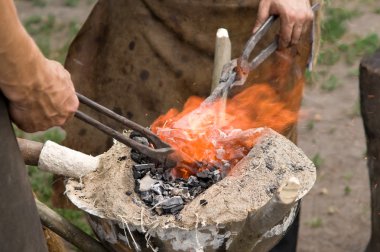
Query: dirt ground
{"x":335,"y":214}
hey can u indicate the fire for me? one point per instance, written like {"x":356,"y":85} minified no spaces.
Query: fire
{"x":219,"y":134}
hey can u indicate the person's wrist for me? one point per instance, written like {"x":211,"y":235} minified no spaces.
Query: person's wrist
{"x":22,"y":67}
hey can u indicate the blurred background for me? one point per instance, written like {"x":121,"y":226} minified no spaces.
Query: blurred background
{"x":335,"y":214}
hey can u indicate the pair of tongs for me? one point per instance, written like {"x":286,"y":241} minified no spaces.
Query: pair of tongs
{"x":236,"y":71}
{"x":161,"y":149}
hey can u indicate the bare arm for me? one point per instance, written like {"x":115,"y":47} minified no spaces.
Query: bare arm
{"x":40,"y":91}
{"x":295,"y":17}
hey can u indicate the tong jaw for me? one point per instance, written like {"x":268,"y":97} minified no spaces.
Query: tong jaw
{"x":236,"y":71}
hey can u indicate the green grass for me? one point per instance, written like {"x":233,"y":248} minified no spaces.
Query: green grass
{"x":44,"y":30}
{"x":377,"y":11}
{"x":347,"y":190}
{"x":316,"y":222}
{"x":330,"y":84}
{"x":39,"y":3}
{"x":72,"y":29}
{"x":353,"y":72}
{"x":317,"y":160}
{"x":328,"y":57}
{"x":41,"y":183}
{"x":362,"y":46}
{"x":334,"y":26}
{"x":310,"y":125}
{"x":41,"y":29}
{"x":76,"y":217}
{"x":311,"y":77}
{"x":348,"y":176}
{"x":71,"y":3}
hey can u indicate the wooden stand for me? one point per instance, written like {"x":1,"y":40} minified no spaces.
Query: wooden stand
{"x":370,"y":109}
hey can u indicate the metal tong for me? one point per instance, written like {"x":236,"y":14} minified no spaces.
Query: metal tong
{"x":159,"y":153}
{"x":235,"y":72}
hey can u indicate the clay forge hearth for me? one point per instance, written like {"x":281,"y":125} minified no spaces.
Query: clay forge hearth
{"x":249,"y":210}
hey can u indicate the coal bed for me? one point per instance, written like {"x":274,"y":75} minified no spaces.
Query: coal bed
{"x":162,"y":192}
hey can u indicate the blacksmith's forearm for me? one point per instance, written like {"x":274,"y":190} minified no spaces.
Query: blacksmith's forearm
{"x":19,"y":55}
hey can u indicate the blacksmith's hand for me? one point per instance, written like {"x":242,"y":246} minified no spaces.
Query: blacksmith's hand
{"x":295,"y":17}
{"x":48,"y":98}
{"x":40,"y":91}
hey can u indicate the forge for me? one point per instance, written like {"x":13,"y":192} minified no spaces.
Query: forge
{"x":235,"y":185}
{"x":249,"y":210}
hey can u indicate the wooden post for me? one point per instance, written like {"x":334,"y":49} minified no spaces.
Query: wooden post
{"x":222,"y":55}
{"x":271,"y":215}
{"x":370,"y":109}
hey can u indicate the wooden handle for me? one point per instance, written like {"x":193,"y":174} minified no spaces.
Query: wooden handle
{"x":30,"y":150}
{"x":222,"y":55}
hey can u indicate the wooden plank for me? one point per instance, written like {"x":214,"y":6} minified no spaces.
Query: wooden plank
{"x":370,"y":109}
{"x":270,"y":216}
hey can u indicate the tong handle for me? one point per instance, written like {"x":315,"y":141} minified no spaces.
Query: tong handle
{"x":255,"y":38}
{"x":156,"y":154}
{"x":160,"y":154}
{"x":157,"y":142}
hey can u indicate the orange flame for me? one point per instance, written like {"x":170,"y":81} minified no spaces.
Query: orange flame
{"x":220,"y":134}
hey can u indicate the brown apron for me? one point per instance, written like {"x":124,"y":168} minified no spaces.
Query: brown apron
{"x":140,"y":58}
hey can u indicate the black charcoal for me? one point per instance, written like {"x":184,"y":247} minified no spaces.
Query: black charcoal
{"x":193,"y":181}
{"x":141,"y":140}
{"x":140,"y":170}
{"x":136,"y":157}
{"x":204,"y":174}
{"x":145,"y":167}
{"x":157,"y":188}
{"x":172,"y":205}
{"x":122,"y":158}
{"x":146,"y":197}
{"x":134,"y":134}
{"x":203,"y":202}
